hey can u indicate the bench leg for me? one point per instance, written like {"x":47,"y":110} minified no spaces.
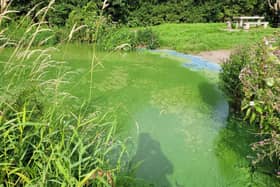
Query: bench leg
{"x":246,"y":26}
{"x":237,"y":25}
{"x":259,"y":23}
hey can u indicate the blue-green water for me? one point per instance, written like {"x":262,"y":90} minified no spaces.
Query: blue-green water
{"x":183,"y":138}
{"x":169,"y":105}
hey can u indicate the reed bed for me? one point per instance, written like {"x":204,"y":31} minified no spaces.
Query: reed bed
{"x":45,"y":141}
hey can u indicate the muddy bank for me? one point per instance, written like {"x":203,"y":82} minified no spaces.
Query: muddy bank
{"x":218,"y":56}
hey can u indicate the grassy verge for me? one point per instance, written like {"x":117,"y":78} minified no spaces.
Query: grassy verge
{"x":45,"y":139}
{"x":191,"y":38}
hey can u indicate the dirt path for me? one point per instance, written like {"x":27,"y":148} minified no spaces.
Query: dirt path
{"x":218,"y":56}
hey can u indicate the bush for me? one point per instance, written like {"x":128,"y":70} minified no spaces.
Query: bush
{"x":251,"y":80}
{"x":261,"y":88}
{"x":116,"y":38}
{"x":229,"y":77}
{"x":88,"y":25}
{"x":85,"y":21}
{"x":126,"y":39}
{"x":261,"y":102}
{"x":146,"y":38}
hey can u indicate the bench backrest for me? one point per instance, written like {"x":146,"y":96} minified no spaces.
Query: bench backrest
{"x":249,"y":17}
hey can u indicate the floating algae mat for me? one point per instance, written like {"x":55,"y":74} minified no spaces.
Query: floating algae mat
{"x":173,"y":112}
{"x":189,"y":61}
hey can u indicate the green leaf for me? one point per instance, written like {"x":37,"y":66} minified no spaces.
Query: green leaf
{"x":259,"y":109}
{"x":248,"y":114}
{"x":23,"y":177}
{"x":87,"y":177}
{"x":253,"y":117}
{"x":244,"y":107}
{"x":270,"y":82}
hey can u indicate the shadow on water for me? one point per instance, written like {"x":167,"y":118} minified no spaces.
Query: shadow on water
{"x":154,"y":165}
{"x":209,"y":94}
{"x":237,"y":137}
{"x":233,"y":145}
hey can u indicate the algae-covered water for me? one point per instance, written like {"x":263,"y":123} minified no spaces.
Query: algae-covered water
{"x":169,"y":105}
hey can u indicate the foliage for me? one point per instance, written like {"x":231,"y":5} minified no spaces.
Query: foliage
{"x":126,"y":39}
{"x":261,"y":88}
{"x":229,"y":77}
{"x":80,"y":19}
{"x":105,"y":34}
{"x":261,"y":101}
{"x":145,"y":12}
{"x":42,"y":142}
{"x":252,"y":80}
{"x":268,"y":148}
{"x":69,"y":150}
{"x":87,"y":22}
{"x":146,"y":38}
{"x":24,"y":29}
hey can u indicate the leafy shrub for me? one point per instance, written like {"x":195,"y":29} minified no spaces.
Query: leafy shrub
{"x":261,"y":88}
{"x":229,"y":76}
{"x":126,"y":39}
{"x":116,"y":38}
{"x":268,"y":149}
{"x":85,"y":21}
{"x":251,"y":80}
{"x":146,"y":38}
{"x":261,"y":102}
{"x":88,"y":25}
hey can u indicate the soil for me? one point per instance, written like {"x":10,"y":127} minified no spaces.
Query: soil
{"x":219,"y":56}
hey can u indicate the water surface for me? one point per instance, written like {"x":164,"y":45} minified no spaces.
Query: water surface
{"x":170,"y":106}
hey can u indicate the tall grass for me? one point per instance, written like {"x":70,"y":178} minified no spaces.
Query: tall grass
{"x":42,"y":142}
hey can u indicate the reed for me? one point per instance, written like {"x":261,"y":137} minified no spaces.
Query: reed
{"x":42,"y":143}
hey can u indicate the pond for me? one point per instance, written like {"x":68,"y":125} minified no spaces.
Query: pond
{"x":169,"y":105}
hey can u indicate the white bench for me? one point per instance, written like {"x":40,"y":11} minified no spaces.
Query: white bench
{"x":247,"y":25}
{"x":246,"y":22}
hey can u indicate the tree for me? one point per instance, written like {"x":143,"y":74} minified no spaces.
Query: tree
{"x":275,"y":7}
